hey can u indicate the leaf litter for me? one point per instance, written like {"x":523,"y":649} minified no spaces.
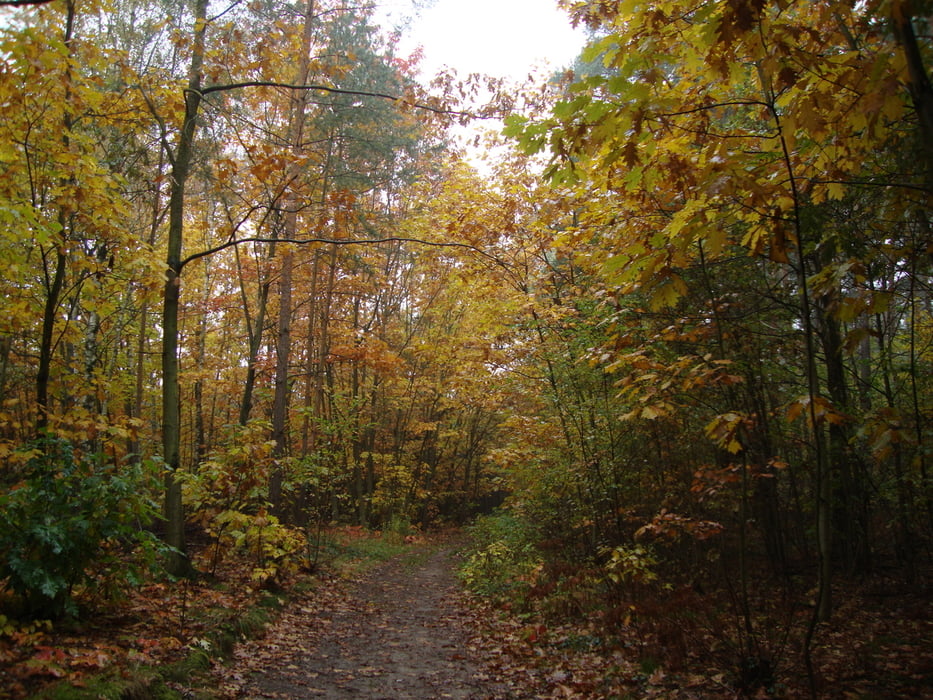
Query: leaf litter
{"x":400,"y":630}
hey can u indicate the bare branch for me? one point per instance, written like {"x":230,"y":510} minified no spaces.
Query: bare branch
{"x":336,"y":91}
{"x":335,"y":241}
{"x":716,"y":105}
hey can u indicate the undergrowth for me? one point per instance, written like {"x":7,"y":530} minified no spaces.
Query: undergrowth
{"x":171,"y":634}
{"x":502,"y":559}
{"x":635,"y":607}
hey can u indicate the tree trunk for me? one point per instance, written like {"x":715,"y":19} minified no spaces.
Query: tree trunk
{"x":851,"y":519}
{"x":45,"y":348}
{"x":918,"y":81}
{"x":280,"y":399}
{"x":6,"y":346}
{"x":283,"y":346}
{"x":174,"y":513}
{"x":200,"y":434}
{"x":54,"y":286}
{"x":309,"y":433}
{"x":133,"y":446}
{"x":254,"y":333}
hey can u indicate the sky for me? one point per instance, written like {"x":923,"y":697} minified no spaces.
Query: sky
{"x":503,"y":38}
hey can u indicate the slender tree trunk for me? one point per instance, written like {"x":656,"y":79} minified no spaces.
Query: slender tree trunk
{"x":174,"y":513}
{"x":254,"y":331}
{"x":136,"y":411}
{"x":280,"y":398}
{"x":92,"y":400}
{"x":6,"y":347}
{"x":823,"y":491}
{"x":916,"y":403}
{"x":317,"y":352}
{"x":280,"y":401}
{"x":45,"y":348}
{"x":309,"y":434}
{"x":55,"y":284}
{"x":850,"y":518}
{"x":903,"y":535}
{"x":200,"y":435}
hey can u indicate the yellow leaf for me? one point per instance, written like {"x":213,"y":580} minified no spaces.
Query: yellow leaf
{"x":835,"y":190}
{"x":650,"y":413}
{"x":789,"y":133}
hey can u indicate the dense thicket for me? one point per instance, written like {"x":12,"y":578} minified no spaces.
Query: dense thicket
{"x":734,"y":315}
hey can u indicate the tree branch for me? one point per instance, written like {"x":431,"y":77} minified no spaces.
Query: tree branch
{"x":333,"y":90}
{"x":715,"y":105}
{"x":334,"y":241}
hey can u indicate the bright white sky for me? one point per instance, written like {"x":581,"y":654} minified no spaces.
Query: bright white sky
{"x":503,"y":38}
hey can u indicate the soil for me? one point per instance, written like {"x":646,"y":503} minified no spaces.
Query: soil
{"x":400,"y":631}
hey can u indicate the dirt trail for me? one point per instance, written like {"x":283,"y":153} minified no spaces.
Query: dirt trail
{"x":397,"y":632}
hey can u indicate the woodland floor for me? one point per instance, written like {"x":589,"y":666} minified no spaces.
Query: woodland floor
{"x":403,"y":628}
{"x":406,"y":630}
{"x":396,"y":632}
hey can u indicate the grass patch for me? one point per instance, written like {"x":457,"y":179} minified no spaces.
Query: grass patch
{"x":357,"y":550}
{"x":196,"y":662}
{"x":416,"y":557}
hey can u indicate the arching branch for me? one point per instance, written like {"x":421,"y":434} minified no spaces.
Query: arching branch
{"x":335,"y":241}
{"x":335,"y":91}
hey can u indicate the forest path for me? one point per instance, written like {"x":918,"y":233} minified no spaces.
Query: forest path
{"x":397,"y":631}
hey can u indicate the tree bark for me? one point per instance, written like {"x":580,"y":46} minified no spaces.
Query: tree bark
{"x":280,"y":401}
{"x":918,"y":81}
{"x":254,"y":332}
{"x":283,"y":347}
{"x":45,"y":348}
{"x":54,"y":286}
{"x":174,"y":513}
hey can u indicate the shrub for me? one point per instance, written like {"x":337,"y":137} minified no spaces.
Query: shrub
{"x":632,"y":569}
{"x":229,"y":496}
{"x":65,"y":514}
{"x":277,"y":550}
{"x":503,"y":559}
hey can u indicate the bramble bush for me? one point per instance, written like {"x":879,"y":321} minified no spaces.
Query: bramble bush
{"x":69,"y":522}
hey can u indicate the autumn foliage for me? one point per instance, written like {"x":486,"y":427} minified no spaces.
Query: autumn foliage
{"x":673,"y":346}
